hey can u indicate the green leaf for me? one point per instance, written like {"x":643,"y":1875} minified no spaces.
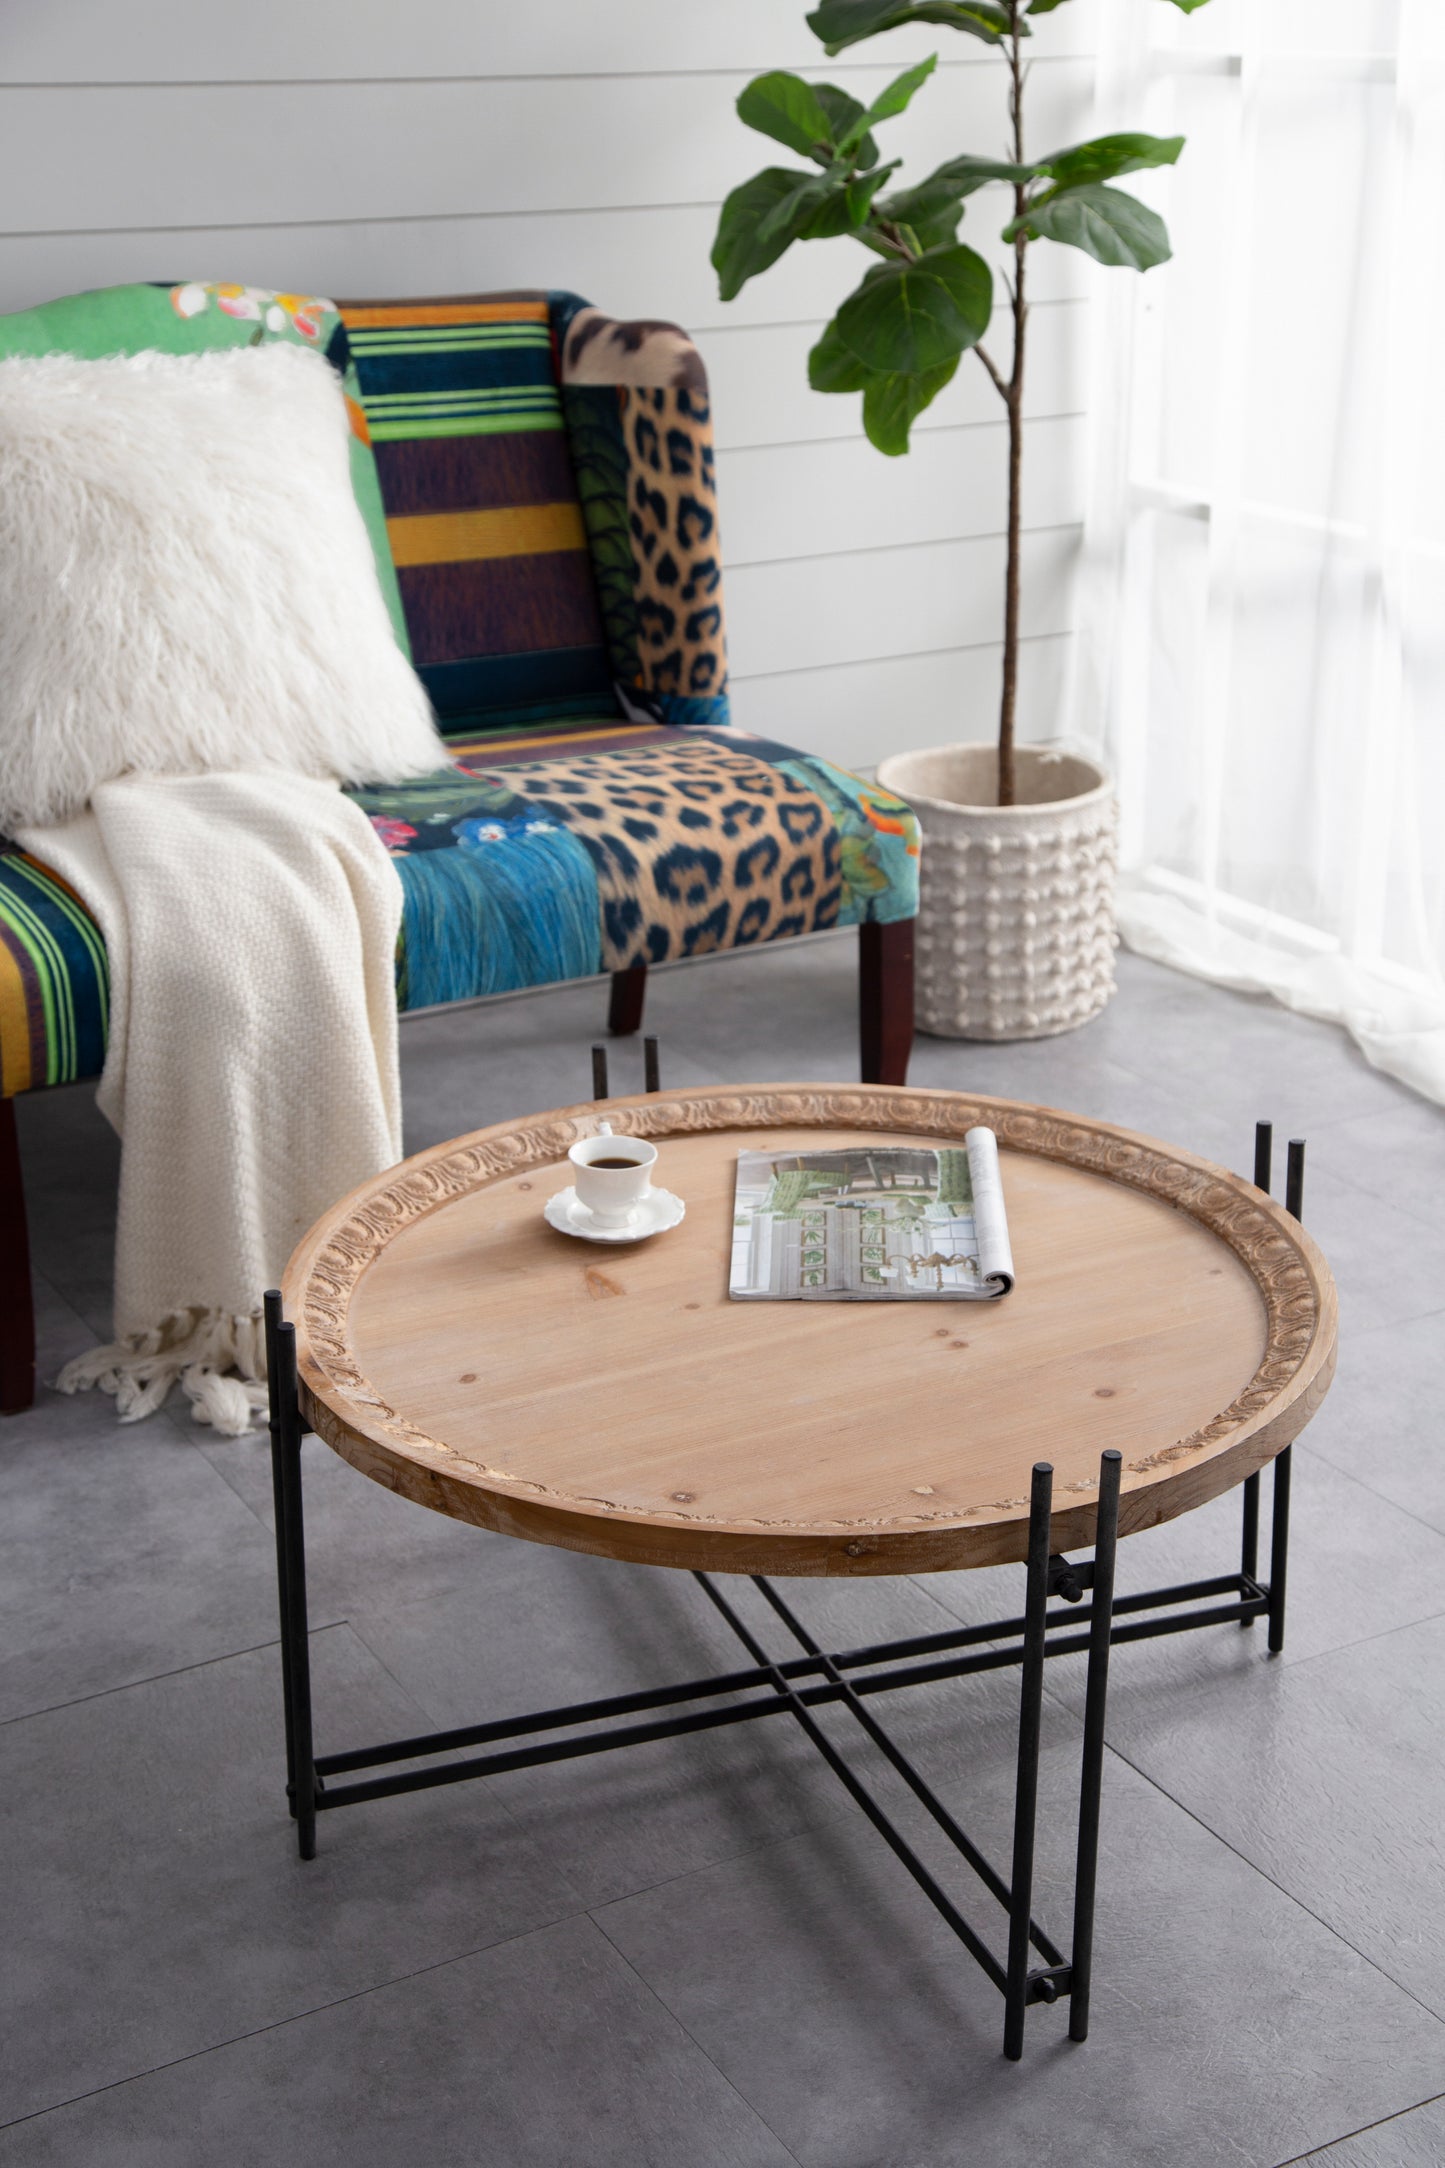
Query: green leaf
{"x":972,"y":173}
{"x":894,"y":99}
{"x":847,"y":206}
{"x":892,"y":400}
{"x":789,"y":110}
{"x":1187,"y":7}
{"x":1042,"y":7}
{"x":1104,"y":222}
{"x":930,"y":209}
{"x":906,"y":318}
{"x":891,"y":405}
{"x":842,"y":112}
{"x":860,"y":193}
{"x":933,"y":207}
{"x":844,"y":22}
{"x":761,"y":219}
{"x":831,"y":366}
{"x":1108,"y":156}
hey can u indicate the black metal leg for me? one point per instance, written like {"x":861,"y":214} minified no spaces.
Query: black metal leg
{"x":1086,"y":1873}
{"x":1294,"y":1193}
{"x":291,"y":1561}
{"x":1279,"y":1551}
{"x":1031,"y":1701}
{"x":652,"y":1075}
{"x":624,"y":1006}
{"x":1249,"y":1537}
{"x":599,"y":1072}
{"x":273,"y":1321}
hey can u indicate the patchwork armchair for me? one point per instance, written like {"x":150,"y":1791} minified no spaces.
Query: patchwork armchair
{"x":538,"y":484}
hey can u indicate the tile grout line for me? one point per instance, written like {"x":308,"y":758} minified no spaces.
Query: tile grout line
{"x":1290,"y":1896}
{"x":689,"y":2034}
{"x":1302,"y":2160}
{"x":1363,"y":1189}
{"x":495,"y":1795}
{"x":154,"y":1678}
{"x":257,"y":1516}
{"x":43,"y":1279}
{"x":1353,"y":1475}
{"x":297,"y":2017}
{"x":183,"y":1430}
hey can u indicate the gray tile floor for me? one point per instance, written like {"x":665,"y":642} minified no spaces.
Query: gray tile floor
{"x":696,"y":1955}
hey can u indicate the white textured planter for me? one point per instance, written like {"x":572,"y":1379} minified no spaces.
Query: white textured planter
{"x":1016,"y":917}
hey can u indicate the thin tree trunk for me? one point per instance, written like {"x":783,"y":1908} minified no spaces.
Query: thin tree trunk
{"x":1015,"y":401}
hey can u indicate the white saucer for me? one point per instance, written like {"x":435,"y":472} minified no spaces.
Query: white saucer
{"x":658,"y":1211}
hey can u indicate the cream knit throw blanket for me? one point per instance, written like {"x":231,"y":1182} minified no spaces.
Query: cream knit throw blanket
{"x":251,"y":1069}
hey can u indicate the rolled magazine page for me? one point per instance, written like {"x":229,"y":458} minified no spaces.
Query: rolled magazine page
{"x":995,"y":1257}
{"x":874,"y":1222}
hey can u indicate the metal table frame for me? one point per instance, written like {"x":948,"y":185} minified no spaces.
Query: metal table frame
{"x":1034,"y":1968}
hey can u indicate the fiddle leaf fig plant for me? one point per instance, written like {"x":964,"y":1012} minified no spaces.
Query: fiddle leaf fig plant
{"x":928,"y":300}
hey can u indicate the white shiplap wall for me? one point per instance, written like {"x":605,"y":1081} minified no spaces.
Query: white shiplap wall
{"x":368,"y":146}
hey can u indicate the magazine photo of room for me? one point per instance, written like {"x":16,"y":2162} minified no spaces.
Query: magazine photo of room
{"x":871,"y":1223}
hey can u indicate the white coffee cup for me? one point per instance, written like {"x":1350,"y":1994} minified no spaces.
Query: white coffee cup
{"x":612,"y":1194}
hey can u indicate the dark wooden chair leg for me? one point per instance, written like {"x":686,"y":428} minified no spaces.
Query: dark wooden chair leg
{"x":624,"y":1010}
{"x":17,"y":1301}
{"x":885,"y":1000}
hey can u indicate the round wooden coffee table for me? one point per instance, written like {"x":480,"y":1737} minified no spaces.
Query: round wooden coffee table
{"x":456,"y":1349}
{"x":1171,"y":1330}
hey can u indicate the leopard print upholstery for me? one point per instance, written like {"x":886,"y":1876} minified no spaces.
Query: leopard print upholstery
{"x":598,"y":349}
{"x":696,"y":846}
{"x":636,"y":400}
{"x":672,"y":518}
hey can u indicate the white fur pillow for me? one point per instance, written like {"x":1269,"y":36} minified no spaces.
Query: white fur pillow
{"x":186,"y":583}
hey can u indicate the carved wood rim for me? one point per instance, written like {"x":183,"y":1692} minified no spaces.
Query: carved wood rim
{"x":346,"y":1410}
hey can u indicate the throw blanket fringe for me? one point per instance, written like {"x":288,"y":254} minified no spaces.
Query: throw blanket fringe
{"x":192,"y":1348}
{"x":251,"y":1067}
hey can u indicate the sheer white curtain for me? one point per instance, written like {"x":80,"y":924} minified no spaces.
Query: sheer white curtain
{"x":1264,"y":654}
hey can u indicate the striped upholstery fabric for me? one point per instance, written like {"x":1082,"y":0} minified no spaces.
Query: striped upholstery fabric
{"x":54,"y":980}
{"x":486,"y":531}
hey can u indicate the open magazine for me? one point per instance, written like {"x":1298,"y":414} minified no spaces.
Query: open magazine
{"x":873,"y":1223}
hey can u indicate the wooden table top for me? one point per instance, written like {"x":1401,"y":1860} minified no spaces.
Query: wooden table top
{"x":614,"y":1400}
